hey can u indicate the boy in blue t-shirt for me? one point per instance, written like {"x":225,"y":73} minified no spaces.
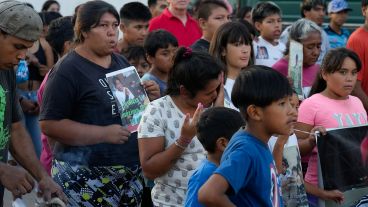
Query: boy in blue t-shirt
{"x":247,"y":173}
{"x":214,"y":130}
{"x":160,"y":47}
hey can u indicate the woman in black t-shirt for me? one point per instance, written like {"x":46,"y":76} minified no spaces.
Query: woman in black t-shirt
{"x":96,"y":159}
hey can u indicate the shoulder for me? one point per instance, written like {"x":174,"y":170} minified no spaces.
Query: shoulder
{"x":355,"y":100}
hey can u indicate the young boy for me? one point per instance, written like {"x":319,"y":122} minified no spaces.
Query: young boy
{"x":137,"y":57}
{"x":134,"y":18}
{"x":215,"y":128}
{"x":160,"y":47}
{"x":267,"y":20}
{"x":338,"y":13}
{"x":211,"y":15}
{"x":247,"y":175}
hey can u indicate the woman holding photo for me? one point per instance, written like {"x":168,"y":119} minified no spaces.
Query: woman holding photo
{"x":95,"y":156}
{"x":168,"y":148}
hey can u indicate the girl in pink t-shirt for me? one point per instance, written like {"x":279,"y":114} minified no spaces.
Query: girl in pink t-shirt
{"x":330,"y":105}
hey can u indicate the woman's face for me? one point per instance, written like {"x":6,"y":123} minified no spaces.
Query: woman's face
{"x":311,"y":48}
{"x":207,"y":95}
{"x":54,"y":8}
{"x":102,"y":39}
{"x":237,"y":55}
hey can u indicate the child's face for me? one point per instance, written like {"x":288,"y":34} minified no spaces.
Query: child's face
{"x":341,"y":83}
{"x":316,"y":14}
{"x":311,"y":48}
{"x":134,"y":32}
{"x":279,"y":117}
{"x":141,"y":65}
{"x":270,"y":27}
{"x":248,"y":17}
{"x":218,"y":17}
{"x":163,"y":60}
{"x":237,"y":55}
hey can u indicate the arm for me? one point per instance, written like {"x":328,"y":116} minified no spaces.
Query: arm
{"x":278,"y":151}
{"x":20,"y":147}
{"x":213,"y":192}
{"x":334,"y":195}
{"x":49,"y":57}
{"x":155,"y":160}
{"x":358,"y":92}
{"x":306,"y":143}
{"x":74,"y":133}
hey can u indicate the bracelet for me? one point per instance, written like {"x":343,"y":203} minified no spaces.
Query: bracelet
{"x":179,"y":145}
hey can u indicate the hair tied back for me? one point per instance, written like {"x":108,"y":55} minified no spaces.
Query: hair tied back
{"x":188,"y":52}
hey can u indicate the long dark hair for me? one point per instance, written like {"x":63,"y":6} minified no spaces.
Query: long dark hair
{"x":331,"y":63}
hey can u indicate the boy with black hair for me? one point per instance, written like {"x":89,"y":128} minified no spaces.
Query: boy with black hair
{"x":358,"y":42}
{"x":313,"y":10}
{"x":267,"y":49}
{"x":247,"y":174}
{"x":215,"y":128}
{"x":211,"y":15}
{"x":136,"y":56}
{"x":160,"y":47}
{"x":134,"y":18}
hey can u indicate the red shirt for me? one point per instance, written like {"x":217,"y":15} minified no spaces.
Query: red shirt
{"x":185,"y":34}
{"x":358,"y":43}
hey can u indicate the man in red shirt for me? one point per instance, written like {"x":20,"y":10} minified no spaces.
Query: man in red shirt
{"x":358,"y":42}
{"x":177,"y":21}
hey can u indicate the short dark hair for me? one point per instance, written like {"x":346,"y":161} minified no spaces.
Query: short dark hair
{"x":135,"y":11}
{"x":60,"y":31}
{"x":135,"y":53}
{"x":364,"y":3}
{"x":252,"y":30}
{"x":260,"y":86}
{"x":307,"y":5}
{"x":331,"y":63}
{"x":48,"y":3}
{"x":193,"y":70}
{"x":47,"y":17}
{"x":217,"y":122}
{"x":151,"y":3}
{"x":243,"y":11}
{"x":263,"y":10}
{"x":158,"y":39}
{"x":89,"y":15}
{"x":205,"y":8}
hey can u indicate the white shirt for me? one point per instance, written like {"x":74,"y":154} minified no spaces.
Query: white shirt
{"x":266,"y":53}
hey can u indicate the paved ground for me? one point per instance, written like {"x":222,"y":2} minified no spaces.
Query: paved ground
{"x":29,"y":199}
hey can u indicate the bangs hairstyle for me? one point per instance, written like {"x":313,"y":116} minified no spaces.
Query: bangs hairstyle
{"x":206,"y":7}
{"x":89,"y":16}
{"x":364,"y":3}
{"x":217,"y":122}
{"x":263,"y":10}
{"x":135,"y":11}
{"x":193,"y":71}
{"x":331,"y":63}
{"x":307,"y":5}
{"x":230,"y":33}
{"x":260,"y":86}
{"x":300,"y":30}
{"x":158,"y":39}
{"x":135,"y":53}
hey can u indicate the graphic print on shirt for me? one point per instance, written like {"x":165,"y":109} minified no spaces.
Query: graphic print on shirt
{"x":275,"y":187}
{"x":114,"y":106}
{"x":4,"y":130}
{"x":262,"y":52}
{"x":350,"y":120}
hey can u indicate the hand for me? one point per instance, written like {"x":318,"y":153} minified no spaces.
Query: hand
{"x":49,"y":189}
{"x":152,"y":88}
{"x":312,"y":138}
{"x":35,"y":110}
{"x":334,"y":195}
{"x":221,"y":92}
{"x":18,"y":181}
{"x":116,"y":134}
{"x":189,"y":130}
{"x":28,"y":105}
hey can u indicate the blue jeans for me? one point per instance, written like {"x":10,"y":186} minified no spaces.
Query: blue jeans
{"x":31,"y":122}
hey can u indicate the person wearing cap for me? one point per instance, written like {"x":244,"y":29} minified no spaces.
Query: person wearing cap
{"x":20,"y":26}
{"x":338,"y":13}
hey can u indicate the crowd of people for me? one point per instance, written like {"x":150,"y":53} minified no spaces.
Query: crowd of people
{"x":222,"y":104}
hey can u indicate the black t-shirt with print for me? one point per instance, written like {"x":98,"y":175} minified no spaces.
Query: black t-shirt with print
{"x":77,"y":89}
{"x":10,"y":112}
